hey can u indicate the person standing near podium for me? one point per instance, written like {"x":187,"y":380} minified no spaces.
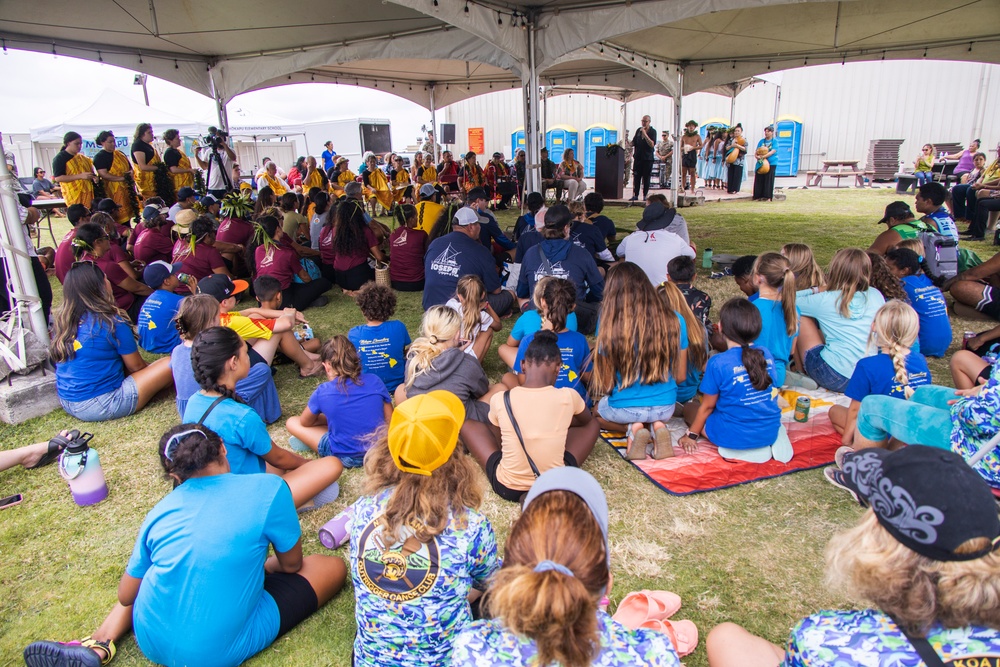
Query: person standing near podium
{"x":643,"y":144}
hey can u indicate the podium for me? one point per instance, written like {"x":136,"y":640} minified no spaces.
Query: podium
{"x":609,"y":172}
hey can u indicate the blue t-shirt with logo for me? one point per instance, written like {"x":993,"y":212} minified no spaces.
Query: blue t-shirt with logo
{"x":774,"y":336}
{"x":96,"y":367}
{"x":928,"y":301}
{"x":382,"y":350}
{"x":200,"y":554}
{"x":239,"y":426}
{"x":449,"y":258}
{"x":576,"y":360}
{"x":876,"y":375}
{"x":411,"y":597}
{"x":157,"y":332}
{"x":588,"y":237}
{"x":562,"y":259}
{"x":744,"y":417}
{"x":353,"y":412}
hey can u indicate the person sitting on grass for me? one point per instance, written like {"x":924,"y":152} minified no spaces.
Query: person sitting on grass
{"x":897,"y":370}
{"x":529,"y":322}
{"x":100,"y":374}
{"x":545,"y":603}
{"x":534,"y":202}
{"x":801,"y":260}
{"x":743,"y":276}
{"x":436,"y":360}
{"x":558,"y":298}
{"x":200,"y":568}
{"x":698,"y":341}
{"x":641,"y":355}
{"x":343,"y":412}
{"x":197,"y":313}
{"x":594,"y":203}
{"x":219,"y":360}
{"x":836,"y":320}
{"x":585,"y":235}
{"x":935,"y":326}
{"x":882,"y":279}
{"x":533,"y":427}
{"x":739,"y":411}
{"x":654,"y":242}
{"x":353,"y":242}
{"x":779,"y":317}
{"x":420,"y":549}
{"x":682,"y":272}
{"x":479,"y":320}
{"x":200,"y":254}
{"x":381,"y":341}
{"x":92,"y":244}
{"x":266,"y":331}
{"x":932,"y":579}
{"x":408,"y":245}
{"x":157,"y":333}
{"x":272,"y":256}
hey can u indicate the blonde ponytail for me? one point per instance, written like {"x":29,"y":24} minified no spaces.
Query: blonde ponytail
{"x":896,"y":328}
{"x":438,"y":329}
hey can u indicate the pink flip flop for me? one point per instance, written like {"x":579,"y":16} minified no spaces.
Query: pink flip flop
{"x":683,"y":634}
{"x":641,"y":606}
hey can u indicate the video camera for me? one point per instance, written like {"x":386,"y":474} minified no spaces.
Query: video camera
{"x":215,"y":138}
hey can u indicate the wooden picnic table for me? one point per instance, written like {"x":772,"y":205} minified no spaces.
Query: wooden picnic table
{"x":837,"y":169}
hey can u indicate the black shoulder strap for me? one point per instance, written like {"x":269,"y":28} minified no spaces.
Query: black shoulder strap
{"x":220,"y":399}
{"x":922,"y":647}
{"x":517,"y":430}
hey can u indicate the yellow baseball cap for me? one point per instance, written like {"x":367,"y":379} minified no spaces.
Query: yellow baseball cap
{"x":423,"y":431}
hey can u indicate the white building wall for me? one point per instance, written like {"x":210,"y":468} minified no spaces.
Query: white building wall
{"x":842,"y":107}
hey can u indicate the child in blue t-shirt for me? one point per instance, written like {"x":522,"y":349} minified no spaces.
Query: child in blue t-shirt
{"x":926,"y":299}
{"x":558,"y":296}
{"x":529,"y":322}
{"x":381,"y":342}
{"x":739,"y":409}
{"x":344,"y":413}
{"x":156,"y":329}
{"x":895,"y":371}
{"x":779,"y":317}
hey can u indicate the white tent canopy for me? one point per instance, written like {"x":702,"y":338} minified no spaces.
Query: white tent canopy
{"x":113,"y":111}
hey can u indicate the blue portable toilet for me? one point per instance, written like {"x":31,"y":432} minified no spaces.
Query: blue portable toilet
{"x":558,"y":139}
{"x":788,"y":136}
{"x":595,"y":137}
{"x":517,"y":141}
{"x":720,"y":123}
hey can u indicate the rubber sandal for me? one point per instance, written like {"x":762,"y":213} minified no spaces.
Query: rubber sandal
{"x":637,"y":441}
{"x":50,"y":455}
{"x":68,"y":654}
{"x":683,"y":634}
{"x":640,"y":606}
{"x":838,"y":456}
{"x":107,"y":647}
{"x":297,"y":445}
{"x":835,"y":477}
{"x":663,"y":444}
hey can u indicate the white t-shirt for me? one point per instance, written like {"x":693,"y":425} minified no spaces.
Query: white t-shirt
{"x":485,"y":321}
{"x":652,"y":250}
{"x":215,"y":180}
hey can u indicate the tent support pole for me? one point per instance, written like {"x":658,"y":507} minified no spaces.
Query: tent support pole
{"x":220,"y":104}
{"x":531,"y":120}
{"x":434,"y":145}
{"x":732,"y":110}
{"x":20,"y":276}
{"x":675,"y":163}
{"x":777,"y":103}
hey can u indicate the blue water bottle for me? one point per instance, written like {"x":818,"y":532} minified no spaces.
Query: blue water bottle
{"x":80,"y":466}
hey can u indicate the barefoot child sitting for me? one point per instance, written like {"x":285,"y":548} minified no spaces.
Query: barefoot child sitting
{"x":739,"y":409}
{"x":344,"y":412}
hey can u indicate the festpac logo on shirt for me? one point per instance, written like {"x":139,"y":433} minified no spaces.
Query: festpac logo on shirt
{"x":398,"y":572}
{"x":447,"y":263}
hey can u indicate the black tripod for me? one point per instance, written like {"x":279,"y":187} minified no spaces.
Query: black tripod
{"x":218,"y":160}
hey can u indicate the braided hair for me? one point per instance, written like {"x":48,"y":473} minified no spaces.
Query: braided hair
{"x":741,"y":323}
{"x":895,"y":329}
{"x":211,"y":349}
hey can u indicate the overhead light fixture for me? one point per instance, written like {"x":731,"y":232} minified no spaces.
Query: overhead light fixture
{"x":466,"y":7}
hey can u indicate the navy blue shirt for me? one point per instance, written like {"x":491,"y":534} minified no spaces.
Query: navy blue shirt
{"x":449,"y":258}
{"x":928,"y":301}
{"x":529,"y":239}
{"x":605,"y":224}
{"x":491,"y":231}
{"x":562,"y":259}
{"x":523,"y":224}
{"x":588,"y":237}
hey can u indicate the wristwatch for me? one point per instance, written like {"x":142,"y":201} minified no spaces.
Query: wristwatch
{"x":694,"y":436}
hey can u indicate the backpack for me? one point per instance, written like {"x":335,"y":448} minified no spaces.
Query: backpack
{"x":940,"y":252}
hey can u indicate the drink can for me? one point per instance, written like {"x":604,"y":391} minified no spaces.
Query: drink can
{"x":966,"y":337}
{"x":802,"y":404}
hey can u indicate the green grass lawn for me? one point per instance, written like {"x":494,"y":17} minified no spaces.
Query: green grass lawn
{"x":752,"y":554}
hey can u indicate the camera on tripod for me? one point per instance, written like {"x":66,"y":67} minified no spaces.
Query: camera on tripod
{"x":214,"y":139}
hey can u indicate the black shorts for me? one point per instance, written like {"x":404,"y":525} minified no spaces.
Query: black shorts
{"x":401,"y":286}
{"x":989,"y":304}
{"x":506,"y":493}
{"x":295,"y":598}
{"x":352,"y":279}
{"x":986,"y":373}
{"x":690,"y":159}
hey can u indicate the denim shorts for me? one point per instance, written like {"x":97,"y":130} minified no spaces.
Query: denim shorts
{"x":640,"y":414}
{"x":347,"y":461}
{"x":116,"y":404}
{"x":824,"y":374}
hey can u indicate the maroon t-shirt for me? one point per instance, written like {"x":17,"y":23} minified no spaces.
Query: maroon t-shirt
{"x":407,"y":248}
{"x":116,"y":275}
{"x":201,"y":264}
{"x":326,"y":252}
{"x":234,"y":230}
{"x":348,"y":262}
{"x":154,"y":245}
{"x":116,"y":253}
{"x":64,"y":255}
{"x":279,"y":261}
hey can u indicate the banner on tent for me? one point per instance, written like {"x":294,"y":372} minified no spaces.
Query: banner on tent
{"x":90,"y":148}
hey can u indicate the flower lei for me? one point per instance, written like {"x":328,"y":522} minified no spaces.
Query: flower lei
{"x":199,"y":182}
{"x":164,"y":185}
{"x":133,"y":198}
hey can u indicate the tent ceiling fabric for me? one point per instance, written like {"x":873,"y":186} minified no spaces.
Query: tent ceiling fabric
{"x":228,"y":47}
